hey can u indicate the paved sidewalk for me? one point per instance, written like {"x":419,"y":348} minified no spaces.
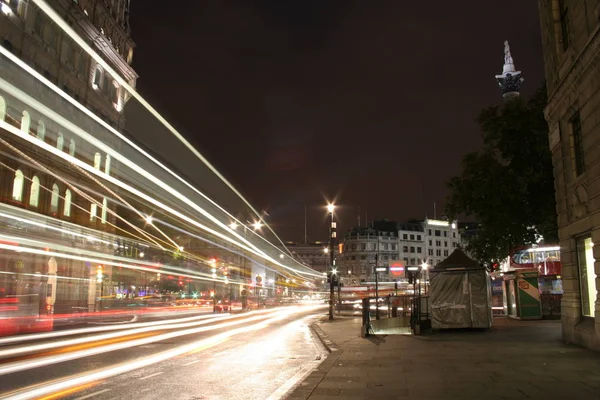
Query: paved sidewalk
{"x":513,"y":360}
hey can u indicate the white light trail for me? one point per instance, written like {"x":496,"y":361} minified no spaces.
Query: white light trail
{"x":90,"y":169}
{"x":83,"y":331}
{"x":95,"y":338}
{"x":83,"y":44}
{"x":53,"y":387}
{"x":54,"y":359}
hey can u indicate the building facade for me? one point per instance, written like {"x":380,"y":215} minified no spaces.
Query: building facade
{"x":38,"y":185}
{"x":441,"y":238}
{"x":364,"y":248}
{"x":571,"y":45}
{"x":411,"y":239}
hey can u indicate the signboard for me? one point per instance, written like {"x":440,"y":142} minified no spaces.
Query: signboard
{"x":397,"y":269}
{"x":381,"y":269}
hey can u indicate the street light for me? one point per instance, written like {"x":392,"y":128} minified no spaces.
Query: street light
{"x":149,"y":219}
{"x":326,"y":250}
{"x":233,"y":225}
{"x":257,"y":225}
{"x":332,"y":237}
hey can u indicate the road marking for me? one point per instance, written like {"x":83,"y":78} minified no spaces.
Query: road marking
{"x":190,"y":363}
{"x":87,"y":396}
{"x":152,"y":375}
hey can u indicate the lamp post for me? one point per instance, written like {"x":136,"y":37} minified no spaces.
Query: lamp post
{"x":332,"y":236}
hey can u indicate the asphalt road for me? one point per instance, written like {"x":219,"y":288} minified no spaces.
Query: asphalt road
{"x":256,"y":355}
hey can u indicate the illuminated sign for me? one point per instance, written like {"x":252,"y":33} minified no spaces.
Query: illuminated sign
{"x":436,"y":222}
{"x":397,"y":269}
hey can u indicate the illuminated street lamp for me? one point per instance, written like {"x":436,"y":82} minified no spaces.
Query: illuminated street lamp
{"x":257,"y":225}
{"x":326,"y":250}
{"x":149,"y":219}
{"x":332,"y":237}
{"x":233,"y":225}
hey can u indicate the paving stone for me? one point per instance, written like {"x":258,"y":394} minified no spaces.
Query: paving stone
{"x":513,"y":360}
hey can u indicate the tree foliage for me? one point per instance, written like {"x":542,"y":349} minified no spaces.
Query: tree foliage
{"x":508,"y":186}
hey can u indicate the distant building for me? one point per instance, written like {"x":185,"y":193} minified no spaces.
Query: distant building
{"x":441,"y":238}
{"x":312,"y":254}
{"x":411,"y":238}
{"x":571,"y":41}
{"x":364,"y":247}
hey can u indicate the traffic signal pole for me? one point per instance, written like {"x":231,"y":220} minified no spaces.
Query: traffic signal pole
{"x":332,"y":235}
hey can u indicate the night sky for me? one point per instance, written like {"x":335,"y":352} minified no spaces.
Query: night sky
{"x":295,"y":101}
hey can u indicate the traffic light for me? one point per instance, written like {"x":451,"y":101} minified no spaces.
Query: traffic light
{"x":212,"y":293}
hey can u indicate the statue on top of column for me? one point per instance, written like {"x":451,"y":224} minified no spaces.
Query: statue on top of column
{"x":507,"y":57}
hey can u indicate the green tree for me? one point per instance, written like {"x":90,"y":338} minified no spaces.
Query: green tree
{"x":508,"y":186}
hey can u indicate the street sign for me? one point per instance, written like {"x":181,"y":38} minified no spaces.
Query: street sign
{"x":397,"y":269}
{"x":381,"y":269}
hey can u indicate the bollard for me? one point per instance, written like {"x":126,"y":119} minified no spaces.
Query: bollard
{"x":366,"y":318}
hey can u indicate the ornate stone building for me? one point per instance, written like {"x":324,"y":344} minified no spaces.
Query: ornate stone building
{"x":37,"y":184}
{"x":571,"y":40}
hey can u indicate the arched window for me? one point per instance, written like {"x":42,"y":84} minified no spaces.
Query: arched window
{"x":54,"y":199}
{"x":104,"y":210}
{"x":97,"y":160}
{"x":97,"y":82}
{"x":34,"y":192}
{"x":7,"y":45}
{"x":2,"y":108}
{"x":25,"y":122}
{"x":72,"y":147}
{"x":37,"y":24}
{"x":49,"y":36}
{"x":60,"y":141}
{"x":93,"y":211}
{"x":41,"y":131}
{"x":107,"y":165}
{"x":115,"y":94}
{"x":67,"y":205}
{"x":18,"y":185}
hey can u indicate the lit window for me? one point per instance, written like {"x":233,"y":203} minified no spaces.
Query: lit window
{"x":60,"y":141}
{"x":104,"y":210}
{"x":34,"y":192}
{"x":25,"y":122}
{"x":72,"y":147}
{"x":18,"y":184}
{"x":93,"y":211}
{"x":41,"y":131}
{"x":54,"y":199}
{"x":97,"y":77}
{"x":587,"y":276}
{"x":107,"y":165}
{"x":97,"y":160}
{"x":2,"y":108}
{"x":67,"y":206}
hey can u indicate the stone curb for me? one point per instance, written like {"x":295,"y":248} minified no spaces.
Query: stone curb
{"x":306,"y":388}
{"x":329,"y":344}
